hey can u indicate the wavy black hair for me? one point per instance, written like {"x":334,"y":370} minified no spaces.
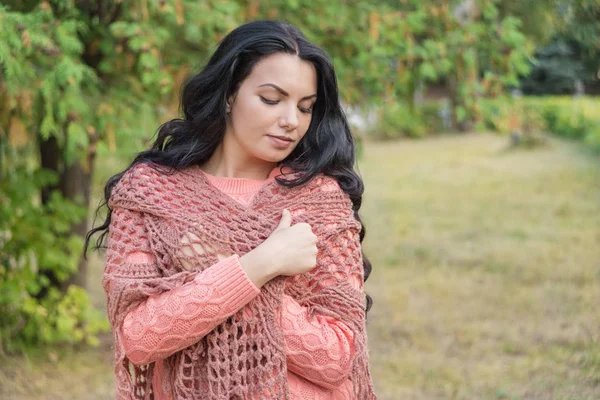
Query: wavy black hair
{"x":327,"y":147}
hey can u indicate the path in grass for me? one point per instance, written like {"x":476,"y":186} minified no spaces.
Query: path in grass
{"x":486,"y":278}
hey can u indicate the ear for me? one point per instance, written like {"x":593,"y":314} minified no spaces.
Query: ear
{"x":230,"y":101}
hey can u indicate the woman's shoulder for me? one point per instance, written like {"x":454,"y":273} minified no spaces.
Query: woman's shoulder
{"x":327,"y":183}
{"x":324,"y":190}
{"x":326,"y":205}
{"x":147,"y":182}
{"x":140,"y":177}
{"x":322,"y":183}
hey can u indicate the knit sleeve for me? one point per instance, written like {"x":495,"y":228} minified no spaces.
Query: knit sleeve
{"x":167,"y":322}
{"x":320,"y":346}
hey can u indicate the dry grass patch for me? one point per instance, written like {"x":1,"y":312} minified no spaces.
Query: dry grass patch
{"x":486,"y":269}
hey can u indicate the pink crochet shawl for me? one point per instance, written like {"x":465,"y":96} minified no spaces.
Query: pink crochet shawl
{"x":191,"y":223}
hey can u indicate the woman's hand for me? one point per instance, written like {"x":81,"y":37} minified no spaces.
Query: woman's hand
{"x":290,"y":250}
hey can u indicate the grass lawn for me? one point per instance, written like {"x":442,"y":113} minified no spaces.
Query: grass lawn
{"x":486,"y":278}
{"x":486,"y":274}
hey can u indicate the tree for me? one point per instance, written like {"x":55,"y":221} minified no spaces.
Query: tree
{"x":80,"y":79}
{"x":465,"y":43}
{"x":555,"y":71}
{"x":73,"y":74}
{"x":582,"y":31}
{"x":539,"y":18}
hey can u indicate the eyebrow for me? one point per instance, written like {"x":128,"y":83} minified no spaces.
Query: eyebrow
{"x":283,"y":92}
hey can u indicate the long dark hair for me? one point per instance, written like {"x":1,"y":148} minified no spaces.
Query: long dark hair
{"x":327,"y":147}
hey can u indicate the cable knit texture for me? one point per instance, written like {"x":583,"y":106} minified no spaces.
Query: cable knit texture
{"x":188,"y":322}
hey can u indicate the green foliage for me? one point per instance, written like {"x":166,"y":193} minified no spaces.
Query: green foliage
{"x":126,"y":61}
{"x":582,"y":28}
{"x":34,"y":242}
{"x":396,"y":120}
{"x":555,"y":71}
{"x":578,"y":120}
{"x":539,"y":17}
{"x":572,"y":52}
{"x":99,"y":77}
{"x":572,"y":118}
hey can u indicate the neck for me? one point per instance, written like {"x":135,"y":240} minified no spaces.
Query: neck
{"x":226,"y":162}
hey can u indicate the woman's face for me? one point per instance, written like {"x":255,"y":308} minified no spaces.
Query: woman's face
{"x":271,"y":111}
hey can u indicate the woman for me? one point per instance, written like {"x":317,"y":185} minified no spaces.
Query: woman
{"x":234,"y":268}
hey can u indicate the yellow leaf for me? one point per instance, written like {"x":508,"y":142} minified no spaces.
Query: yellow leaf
{"x":179,"y":12}
{"x":105,"y":109}
{"x":178,"y":80}
{"x":145,"y":10}
{"x":25,"y":102}
{"x":374,"y":21}
{"x":17,"y":132}
{"x":26,"y":39}
{"x":110,"y":137}
{"x":401,"y":70}
{"x":252,"y":10}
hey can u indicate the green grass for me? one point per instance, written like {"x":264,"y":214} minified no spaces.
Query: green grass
{"x":486,"y":269}
{"x":486,"y":278}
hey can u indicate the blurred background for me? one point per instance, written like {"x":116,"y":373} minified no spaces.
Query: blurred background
{"x":478,"y":124}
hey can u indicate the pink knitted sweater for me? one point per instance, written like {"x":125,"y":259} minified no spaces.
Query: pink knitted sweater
{"x":320,"y":350}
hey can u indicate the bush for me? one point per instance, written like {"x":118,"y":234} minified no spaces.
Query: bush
{"x":566,"y":122}
{"x":431,"y":112}
{"x":35,"y":249}
{"x":568,"y":117}
{"x":395,"y":120}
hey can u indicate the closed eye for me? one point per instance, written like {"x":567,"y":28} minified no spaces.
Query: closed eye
{"x":273,"y":102}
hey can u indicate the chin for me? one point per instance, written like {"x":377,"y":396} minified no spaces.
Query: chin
{"x":274,"y":157}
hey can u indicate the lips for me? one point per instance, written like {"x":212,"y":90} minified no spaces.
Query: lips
{"x":280,"y":142}
{"x":285,"y":138}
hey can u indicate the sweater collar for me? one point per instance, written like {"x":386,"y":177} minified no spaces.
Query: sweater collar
{"x":240,"y":185}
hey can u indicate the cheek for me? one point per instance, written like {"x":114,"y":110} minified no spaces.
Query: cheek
{"x":304,"y":126}
{"x":259,"y":118}
{"x":250,"y":121}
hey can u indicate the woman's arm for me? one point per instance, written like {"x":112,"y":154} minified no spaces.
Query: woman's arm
{"x":321,"y":348}
{"x":168,"y":322}
{"x":318,"y":348}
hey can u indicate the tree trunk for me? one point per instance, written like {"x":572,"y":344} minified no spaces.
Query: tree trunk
{"x":50,"y":160}
{"x":75,"y":185}
{"x":50,"y":154}
{"x":75,"y":182}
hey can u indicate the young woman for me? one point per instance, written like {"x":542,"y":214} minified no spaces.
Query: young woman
{"x":234,"y":267}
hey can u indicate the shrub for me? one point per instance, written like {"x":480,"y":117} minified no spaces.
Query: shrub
{"x":395,"y":120}
{"x":35,"y":249}
{"x":568,"y":117}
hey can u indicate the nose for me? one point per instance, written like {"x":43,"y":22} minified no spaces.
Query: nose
{"x":289,"y":117}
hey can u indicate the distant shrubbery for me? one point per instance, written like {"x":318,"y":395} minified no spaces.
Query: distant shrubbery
{"x":573,"y":118}
{"x":395,"y":120}
{"x":568,"y":117}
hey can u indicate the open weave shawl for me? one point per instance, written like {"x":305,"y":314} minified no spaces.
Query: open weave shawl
{"x":191,"y":225}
